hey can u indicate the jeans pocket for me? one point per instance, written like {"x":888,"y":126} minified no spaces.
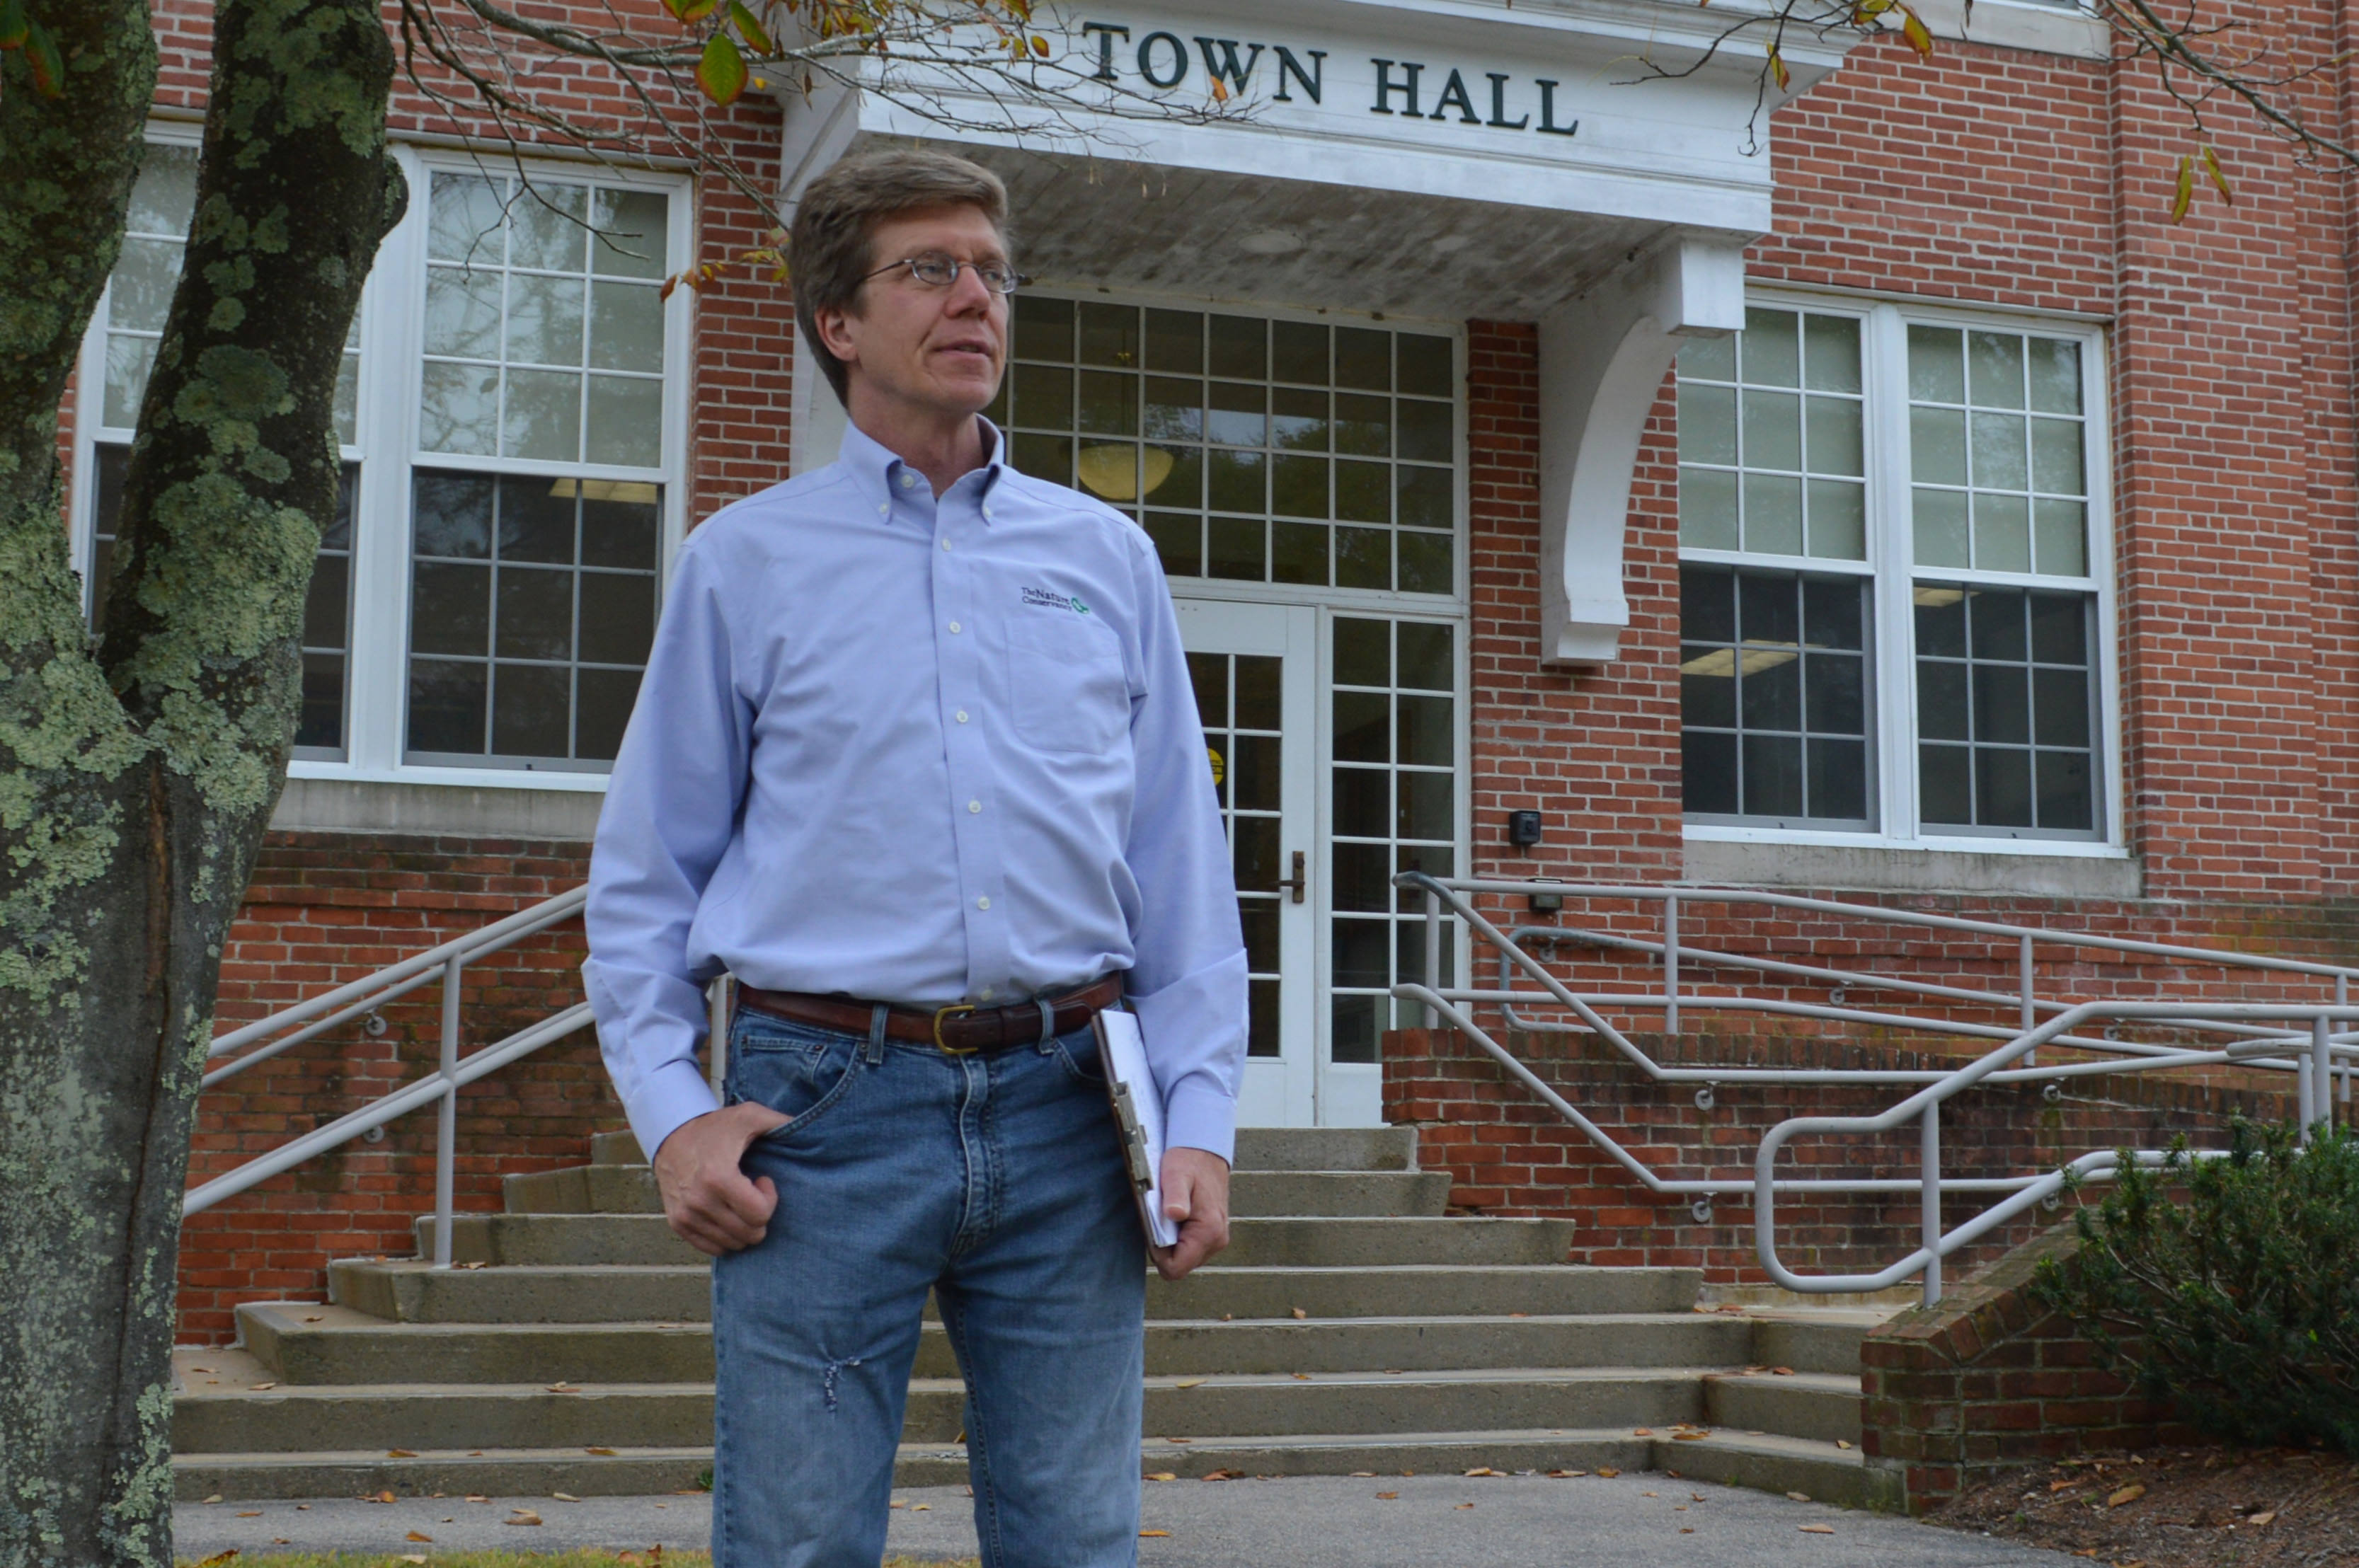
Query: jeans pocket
{"x":1079,"y":1054}
{"x":800,"y":1072}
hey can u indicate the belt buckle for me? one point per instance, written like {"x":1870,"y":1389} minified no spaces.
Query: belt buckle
{"x":940,"y":1013}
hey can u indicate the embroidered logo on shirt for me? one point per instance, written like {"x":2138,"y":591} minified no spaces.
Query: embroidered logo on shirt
{"x":1048,"y":601}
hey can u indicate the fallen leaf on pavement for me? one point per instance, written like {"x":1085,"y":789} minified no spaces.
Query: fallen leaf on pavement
{"x":1191,"y":1383}
{"x":1481,"y":1470}
{"x":1563,"y":1474}
{"x":311,"y":1320}
{"x":1609,"y":1474}
{"x":218,"y":1557}
{"x":400,"y":1453}
{"x":1781,"y":1371}
{"x":2129,"y":1494}
{"x":2067,"y":1482}
{"x":253,"y":1513}
{"x":1303,"y":1376}
{"x":1387,"y":1497}
{"x":1162,"y":1475}
{"x":2259,"y":1519}
{"x":1178,"y":1440}
{"x":1299,"y":1314}
{"x":562,"y":1386}
{"x":418,"y":1535}
{"x":477,"y":1498}
{"x":1147,"y":1532}
{"x":608,"y":1453}
{"x":1699,"y":1436}
{"x":1223,"y":1475}
{"x":1817,"y":1529}
{"x":522,"y":1515}
{"x":1642,"y":1432}
{"x":565,"y":1497}
{"x":382,"y":1498}
{"x":1841,"y":1443}
{"x":1799,"y":1497}
{"x":258,"y":1388}
{"x":1466,"y":1505}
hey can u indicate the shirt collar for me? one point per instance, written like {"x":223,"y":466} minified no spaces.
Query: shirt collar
{"x":877,"y":470}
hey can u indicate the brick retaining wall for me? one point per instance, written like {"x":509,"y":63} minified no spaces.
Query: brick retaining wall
{"x":1987,"y":1381}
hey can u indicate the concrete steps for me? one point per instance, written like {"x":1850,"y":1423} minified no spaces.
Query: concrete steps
{"x":1352,"y":1325}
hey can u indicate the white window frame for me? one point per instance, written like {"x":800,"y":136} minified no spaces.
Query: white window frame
{"x":1891,"y":557}
{"x":392,"y":320}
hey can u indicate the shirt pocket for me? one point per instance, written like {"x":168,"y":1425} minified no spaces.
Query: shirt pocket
{"x":1066,"y":687}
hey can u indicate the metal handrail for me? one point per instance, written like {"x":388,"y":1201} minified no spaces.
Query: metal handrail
{"x":314,"y":1016}
{"x":2314,"y":1060}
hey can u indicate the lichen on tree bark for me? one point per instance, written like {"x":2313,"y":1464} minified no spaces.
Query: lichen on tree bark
{"x":137,"y":778}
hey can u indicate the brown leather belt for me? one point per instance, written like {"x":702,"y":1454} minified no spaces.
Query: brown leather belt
{"x":960,"y":1030}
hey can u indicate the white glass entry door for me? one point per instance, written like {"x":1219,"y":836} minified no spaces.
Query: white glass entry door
{"x":1256,"y":672}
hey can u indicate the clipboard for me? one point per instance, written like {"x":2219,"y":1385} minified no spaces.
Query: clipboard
{"x":1138,"y":1116}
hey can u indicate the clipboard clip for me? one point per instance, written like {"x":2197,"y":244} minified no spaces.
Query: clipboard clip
{"x":1134,"y":1139}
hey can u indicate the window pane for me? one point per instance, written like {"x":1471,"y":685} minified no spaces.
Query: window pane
{"x":1708,"y":774}
{"x":1706,"y":423}
{"x":625,"y":421}
{"x":462,"y":312}
{"x":1937,"y":364}
{"x":1832,"y":353}
{"x":541,"y":416}
{"x":165,"y":193}
{"x":633,"y":239}
{"x":548,"y":227}
{"x":535,"y":613}
{"x":447,"y":706}
{"x":1771,"y":352}
{"x":1773,"y":514}
{"x":459,"y":409}
{"x":1773,"y":430}
{"x":465,"y":221}
{"x":140,"y":289}
{"x":626,"y":327}
{"x":531,"y":707}
{"x":1943,"y":537}
{"x":1772,"y":675}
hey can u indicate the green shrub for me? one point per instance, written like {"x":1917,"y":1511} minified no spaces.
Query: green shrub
{"x":2229,"y":1286}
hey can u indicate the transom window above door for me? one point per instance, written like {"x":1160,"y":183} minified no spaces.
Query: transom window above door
{"x":1252,"y":449}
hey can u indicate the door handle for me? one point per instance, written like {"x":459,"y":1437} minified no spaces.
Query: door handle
{"x":1301,"y":879}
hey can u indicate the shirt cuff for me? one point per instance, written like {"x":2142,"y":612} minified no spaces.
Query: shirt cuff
{"x":673,"y":1094}
{"x":1199,"y":1114}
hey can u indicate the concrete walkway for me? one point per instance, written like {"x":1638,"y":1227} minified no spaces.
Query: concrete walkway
{"x":1433,"y":1521}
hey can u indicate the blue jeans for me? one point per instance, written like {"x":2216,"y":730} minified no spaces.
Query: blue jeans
{"x":995,"y":1179}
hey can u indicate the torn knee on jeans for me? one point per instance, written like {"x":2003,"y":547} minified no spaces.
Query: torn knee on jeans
{"x":828,"y":1386}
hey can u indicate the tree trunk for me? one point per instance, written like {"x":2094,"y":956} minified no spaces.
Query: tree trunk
{"x":135,"y":785}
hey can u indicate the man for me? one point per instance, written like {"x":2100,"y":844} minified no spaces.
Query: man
{"x":916,"y":760}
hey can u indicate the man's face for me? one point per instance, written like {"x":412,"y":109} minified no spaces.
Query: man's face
{"x":928,"y":349}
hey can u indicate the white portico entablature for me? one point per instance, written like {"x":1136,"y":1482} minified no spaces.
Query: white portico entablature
{"x":1443,"y":159}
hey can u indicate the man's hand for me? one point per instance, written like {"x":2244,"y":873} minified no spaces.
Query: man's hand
{"x":710,"y":1205}
{"x":1195,"y":1194}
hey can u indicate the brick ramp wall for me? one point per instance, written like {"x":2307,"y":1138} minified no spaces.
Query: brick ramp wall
{"x":1510,"y":1153}
{"x":1986,"y":1381}
{"x":326,"y":909}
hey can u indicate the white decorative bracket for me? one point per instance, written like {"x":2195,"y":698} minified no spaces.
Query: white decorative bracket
{"x":1602,"y":363}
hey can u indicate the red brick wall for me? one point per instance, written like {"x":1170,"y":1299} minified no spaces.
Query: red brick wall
{"x":1987,"y":1381}
{"x":326,"y":909}
{"x":1508,"y":1152}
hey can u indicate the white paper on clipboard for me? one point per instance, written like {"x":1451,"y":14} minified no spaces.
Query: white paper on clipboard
{"x":1138,"y":1114}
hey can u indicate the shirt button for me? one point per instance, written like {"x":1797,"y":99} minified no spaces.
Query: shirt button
{"x":984,"y":994}
{"x":984,"y":903}
{"x":972,"y":806}
{"x":954,"y":626}
{"x":908,"y":481}
{"x":884,"y":509}
{"x":961,"y":715}
{"x":946,"y":543}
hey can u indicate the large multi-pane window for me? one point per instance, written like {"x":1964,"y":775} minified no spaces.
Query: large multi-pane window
{"x":1394,"y":808}
{"x":1253,"y":449}
{"x":532,"y":584}
{"x":1892,"y":599}
{"x":1239,"y":700}
{"x":486,"y":591}
{"x":128,"y":324}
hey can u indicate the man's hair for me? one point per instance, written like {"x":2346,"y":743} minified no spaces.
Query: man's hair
{"x":830,"y":252}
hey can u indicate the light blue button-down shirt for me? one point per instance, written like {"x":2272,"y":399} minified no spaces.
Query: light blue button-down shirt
{"x":916,"y":750}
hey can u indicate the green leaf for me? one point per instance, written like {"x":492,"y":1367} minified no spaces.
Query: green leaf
{"x":2186,"y":191}
{"x":12,"y":24}
{"x":721,"y":71}
{"x":750,"y":29}
{"x":41,"y":54}
{"x":691,"y":10}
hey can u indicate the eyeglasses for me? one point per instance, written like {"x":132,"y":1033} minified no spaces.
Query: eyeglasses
{"x":936,"y":270}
